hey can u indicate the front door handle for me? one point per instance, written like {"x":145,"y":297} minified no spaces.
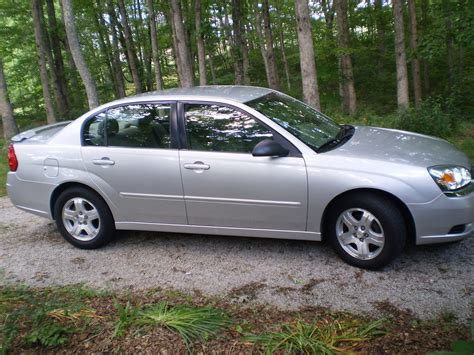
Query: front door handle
{"x":104,"y":161}
{"x":198,"y":165}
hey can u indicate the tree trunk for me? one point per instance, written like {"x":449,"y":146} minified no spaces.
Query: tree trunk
{"x":154,"y":46}
{"x":261,"y":41}
{"x":415,"y":62}
{"x":73,"y":40}
{"x":182,"y":50}
{"x":76,"y":100}
{"x":238,"y":42}
{"x":227,"y":28}
{"x":380,"y":24}
{"x":426,"y":68}
{"x":328,"y":11}
{"x":131,"y":53}
{"x":6,"y":111}
{"x":273,"y":81}
{"x":63,"y":100}
{"x":53,"y":77}
{"x":144,"y":56}
{"x":400,"y":56}
{"x":222,"y":36}
{"x":282,"y":48}
{"x":462,"y":42}
{"x":349,"y":101}
{"x":307,"y":62}
{"x":211,"y":66}
{"x":449,"y":41}
{"x":41,"y":50}
{"x":174,"y":47}
{"x":116,"y":63}
{"x":187,"y":15}
{"x":104,"y":45}
{"x":200,"y":44}
{"x":246,"y":61}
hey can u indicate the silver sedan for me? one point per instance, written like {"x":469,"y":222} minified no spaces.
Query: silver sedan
{"x":242,"y":161}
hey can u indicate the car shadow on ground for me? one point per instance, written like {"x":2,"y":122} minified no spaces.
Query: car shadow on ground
{"x":412,"y":254}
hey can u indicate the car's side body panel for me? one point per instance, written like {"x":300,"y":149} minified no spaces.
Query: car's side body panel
{"x":242,"y":191}
{"x":144,"y":184}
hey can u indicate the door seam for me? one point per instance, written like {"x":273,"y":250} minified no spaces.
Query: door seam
{"x":182,"y":186}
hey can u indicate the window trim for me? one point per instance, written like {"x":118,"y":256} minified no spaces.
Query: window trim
{"x":173,"y":123}
{"x":183,"y":141}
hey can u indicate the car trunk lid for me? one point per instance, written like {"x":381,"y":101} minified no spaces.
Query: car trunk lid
{"x":40,"y":134}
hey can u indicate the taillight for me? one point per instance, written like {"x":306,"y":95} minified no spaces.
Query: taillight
{"x":12,"y":160}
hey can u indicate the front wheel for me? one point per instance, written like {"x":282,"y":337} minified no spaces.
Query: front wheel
{"x":83,"y":218}
{"x":366,"y":231}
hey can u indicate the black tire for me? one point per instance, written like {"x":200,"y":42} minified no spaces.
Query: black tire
{"x":389,"y":217}
{"x":105,"y":222}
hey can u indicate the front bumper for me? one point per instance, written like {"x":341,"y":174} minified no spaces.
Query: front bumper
{"x":444,"y":219}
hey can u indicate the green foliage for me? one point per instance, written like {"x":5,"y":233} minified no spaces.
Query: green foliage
{"x":10,"y":298}
{"x":41,"y":318}
{"x":44,"y":320}
{"x":126,"y":317}
{"x":319,"y":337}
{"x":371,"y":49}
{"x":189,"y":322}
{"x":48,"y":334}
{"x":432,"y":118}
{"x":459,"y":347}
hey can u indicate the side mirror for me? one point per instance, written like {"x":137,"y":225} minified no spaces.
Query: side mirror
{"x":269,"y":148}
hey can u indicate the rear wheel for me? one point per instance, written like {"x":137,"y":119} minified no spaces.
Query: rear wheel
{"x":366,"y":230}
{"x":83,"y":218}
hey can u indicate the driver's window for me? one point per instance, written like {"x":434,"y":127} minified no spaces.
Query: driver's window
{"x":222,"y":129}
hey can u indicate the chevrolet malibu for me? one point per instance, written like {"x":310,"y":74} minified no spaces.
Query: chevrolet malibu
{"x":242,"y":161}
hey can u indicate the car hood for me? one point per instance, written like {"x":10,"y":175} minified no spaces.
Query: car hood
{"x":401,"y":147}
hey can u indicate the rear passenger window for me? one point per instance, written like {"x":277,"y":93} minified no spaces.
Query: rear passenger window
{"x":94,"y":131}
{"x":139,"y":126}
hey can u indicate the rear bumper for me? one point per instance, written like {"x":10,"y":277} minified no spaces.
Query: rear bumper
{"x":30,"y":196}
{"x":445,"y":219}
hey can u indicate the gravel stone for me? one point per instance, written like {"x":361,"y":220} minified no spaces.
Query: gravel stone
{"x":428,"y":281}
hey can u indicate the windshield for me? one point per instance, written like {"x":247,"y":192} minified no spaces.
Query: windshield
{"x":304,"y":122}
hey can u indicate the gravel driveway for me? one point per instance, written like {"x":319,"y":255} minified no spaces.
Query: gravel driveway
{"x":288,"y":274}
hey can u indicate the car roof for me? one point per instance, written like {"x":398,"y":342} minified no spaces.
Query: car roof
{"x":229,"y":92}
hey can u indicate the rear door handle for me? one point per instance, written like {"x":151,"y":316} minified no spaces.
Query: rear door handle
{"x":198,"y":165}
{"x":103,"y":161}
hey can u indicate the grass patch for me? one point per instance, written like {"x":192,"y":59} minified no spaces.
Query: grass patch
{"x":190,"y":323}
{"x":126,"y":317}
{"x":42,"y":318}
{"x":319,"y":337}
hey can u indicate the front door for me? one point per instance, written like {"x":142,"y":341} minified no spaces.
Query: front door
{"x":129,"y":156}
{"x":224,"y":185}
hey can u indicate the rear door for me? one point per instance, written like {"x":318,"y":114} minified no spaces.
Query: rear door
{"x":224,"y":185}
{"x":130,"y":153}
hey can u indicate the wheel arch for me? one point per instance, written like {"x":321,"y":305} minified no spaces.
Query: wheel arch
{"x":67,"y":185}
{"x":407,"y":216}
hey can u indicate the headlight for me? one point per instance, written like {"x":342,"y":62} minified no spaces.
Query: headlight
{"x":450,"y":178}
